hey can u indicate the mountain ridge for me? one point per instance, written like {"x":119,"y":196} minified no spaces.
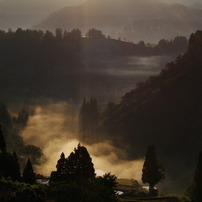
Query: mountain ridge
{"x":134,"y":20}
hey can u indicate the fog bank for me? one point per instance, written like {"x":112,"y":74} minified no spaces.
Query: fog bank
{"x":53,"y":129}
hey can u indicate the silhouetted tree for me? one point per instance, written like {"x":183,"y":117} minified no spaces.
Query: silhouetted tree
{"x":94,"y":114}
{"x":198,"y":180}
{"x":5,"y":118}
{"x":82,"y":117}
{"x":110,"y":181}
{"x":73,"y":35}
{"x":95,"y":34}
{"x":61,"y":167}
{"x":22,"y":118}
{"x":88,"y":119}
{"x":2,"y":141}
{"x":32,"y":152}
{"x":58,"y":34}
{"x":28,"y":175}
{"x":77,"y":165}
{"x":152,"y":171}
{"x":83,"y":163}
{"x":15,"y":173}
{"x":9,"y":166}
{"x":141,"y":43}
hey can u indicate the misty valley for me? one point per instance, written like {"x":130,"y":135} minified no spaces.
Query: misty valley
{"x":94,"y":118}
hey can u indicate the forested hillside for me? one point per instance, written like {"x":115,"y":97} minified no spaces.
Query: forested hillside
{"x":164,"y":110}
{"x":36,"y":63}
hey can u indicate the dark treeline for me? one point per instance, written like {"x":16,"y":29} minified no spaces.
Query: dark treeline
{"x":164,"y":110}
{"x":88,"y":121}
{"x":10,"y":167}
{"x":36,"y":63}
{"x":11,"y":127}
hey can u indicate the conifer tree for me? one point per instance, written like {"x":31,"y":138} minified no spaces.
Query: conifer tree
{"x":152,"y":172}
{"x":61,"y":167}
{"x":88,"y":120}
{"x":15,"y":174}
{"x":22,"y":118}
{"x":2,"y":141}
{"x":82,"y":117}
{"x":198,"y":180}
{"x":83,"y":163}
{"x":5,"y":118}
{"x":28,"y":175}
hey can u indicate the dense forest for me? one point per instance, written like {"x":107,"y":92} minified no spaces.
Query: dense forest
{"x":54,"y":65}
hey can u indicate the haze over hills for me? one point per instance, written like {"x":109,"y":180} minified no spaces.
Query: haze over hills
{"x":133,"y":20}
{"x":25,"y":14}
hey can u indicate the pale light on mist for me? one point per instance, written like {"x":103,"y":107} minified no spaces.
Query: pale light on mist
{"x":50,"y":129}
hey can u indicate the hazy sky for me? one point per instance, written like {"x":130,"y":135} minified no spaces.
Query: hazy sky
{"x":27,"y":13}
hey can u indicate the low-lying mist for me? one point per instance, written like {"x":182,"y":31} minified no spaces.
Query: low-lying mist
{"x":54,"y":129}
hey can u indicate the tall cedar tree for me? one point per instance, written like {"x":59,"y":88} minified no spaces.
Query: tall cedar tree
{"x":78,"y":164}
{"x":152,"y":172}
{"x":61,"y":166}
{"x":2,"y":141}
{"x":15,"y":174}
{"x":88,"y":120}
{"x":28,"y":175}
{"x":83,"y":163}
{"x":198,"y":180}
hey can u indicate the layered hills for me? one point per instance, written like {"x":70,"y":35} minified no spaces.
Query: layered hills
{"x":134,"y":20}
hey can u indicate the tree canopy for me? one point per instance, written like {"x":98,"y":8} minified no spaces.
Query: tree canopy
{"x":88,"y":120}
{"x":198,"y":180}
{"x":2,"y":141}
{"x":95,"y":34}
{"x":28,"y":175}
{"x":78,"y":164}
{"x":152,"y":171}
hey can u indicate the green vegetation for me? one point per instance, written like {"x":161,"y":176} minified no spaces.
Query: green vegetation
{"x":11,"y":191}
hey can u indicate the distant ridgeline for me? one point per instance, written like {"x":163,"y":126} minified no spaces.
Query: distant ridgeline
{"x":36,"y":63}
{"x":164,"y":110}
